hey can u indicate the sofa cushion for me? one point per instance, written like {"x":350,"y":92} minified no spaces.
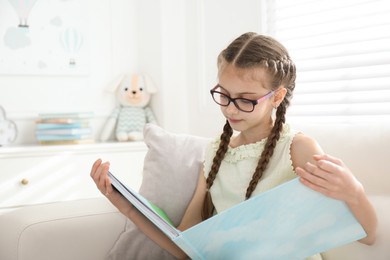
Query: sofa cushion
{"x":79,"y":229}
{"x":170,"y":174}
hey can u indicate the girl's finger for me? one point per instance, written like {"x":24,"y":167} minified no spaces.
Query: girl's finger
{"x":102,"y":172}
{"x":316,"y":171}
{"x":95,"y":165}
{"x":330,"y":167}
{"x":312,"y":178}
{"x":108,"y":186}
{"x":328,"y":157}
{"x":315,"y":187}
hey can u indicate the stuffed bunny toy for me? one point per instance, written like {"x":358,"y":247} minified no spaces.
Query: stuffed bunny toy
{"x":133,"y":91}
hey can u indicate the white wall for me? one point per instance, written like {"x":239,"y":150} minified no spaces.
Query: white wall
{"x":176,"y":42}
{"x":163,"y":52}
{"x":211,"y":26}
{"x":112,"y":50}
{"x":190,"y":34}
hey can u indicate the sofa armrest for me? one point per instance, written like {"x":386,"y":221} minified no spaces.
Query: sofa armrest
{"x":81,"y":229}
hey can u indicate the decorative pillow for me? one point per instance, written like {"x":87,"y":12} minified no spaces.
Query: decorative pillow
{"x":170,"y":174}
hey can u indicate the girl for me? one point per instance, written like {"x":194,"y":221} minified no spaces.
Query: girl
{"x":256,"y":80}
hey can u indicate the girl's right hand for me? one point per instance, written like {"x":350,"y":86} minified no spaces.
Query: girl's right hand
{"x":99,"y":175}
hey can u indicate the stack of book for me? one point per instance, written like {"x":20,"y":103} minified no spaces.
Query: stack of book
{"x":64,"y":128}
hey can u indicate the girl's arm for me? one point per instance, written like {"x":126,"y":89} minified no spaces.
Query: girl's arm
{"x":193,"y":213}
{"x":331,"y":177}
{"x":99,"y":175}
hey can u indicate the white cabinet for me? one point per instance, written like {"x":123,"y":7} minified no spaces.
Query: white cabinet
{"x":41,"y":174}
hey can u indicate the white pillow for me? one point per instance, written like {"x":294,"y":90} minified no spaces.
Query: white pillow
{"x":170,"y":174}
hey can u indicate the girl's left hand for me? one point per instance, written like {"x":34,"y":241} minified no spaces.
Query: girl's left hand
{"x":331,"y":177}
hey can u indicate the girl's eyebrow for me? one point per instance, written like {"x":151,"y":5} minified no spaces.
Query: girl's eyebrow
{"x":240,"y":93}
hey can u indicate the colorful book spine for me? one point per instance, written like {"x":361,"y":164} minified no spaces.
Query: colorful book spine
{"x":67,"y":142}
{"x":64,"y":131}
{"x":61,"y":137}
{"x":57,"y":116}
{"x":42,"y":126}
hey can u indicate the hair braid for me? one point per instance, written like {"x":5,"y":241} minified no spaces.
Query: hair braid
{"x":281,"y":69}
{"x":208,"y":206}
{"x":268,"y":151}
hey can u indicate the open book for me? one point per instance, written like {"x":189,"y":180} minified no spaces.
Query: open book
{"x":290,"y":221}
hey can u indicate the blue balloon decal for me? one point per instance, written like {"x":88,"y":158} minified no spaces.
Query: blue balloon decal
{"x":71,"y":40}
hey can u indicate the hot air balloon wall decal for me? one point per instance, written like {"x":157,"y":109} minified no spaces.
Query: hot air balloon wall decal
{"x":23,"y":9}
{"x":72,"y":41}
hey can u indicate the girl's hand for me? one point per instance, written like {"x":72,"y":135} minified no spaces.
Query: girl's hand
{"x":332,"y":178}
{"x":99,"y":175}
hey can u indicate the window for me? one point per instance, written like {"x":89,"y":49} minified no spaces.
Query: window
{"x":342,"y":53}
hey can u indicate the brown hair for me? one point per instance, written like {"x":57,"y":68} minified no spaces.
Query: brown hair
{"x":251,"y":51}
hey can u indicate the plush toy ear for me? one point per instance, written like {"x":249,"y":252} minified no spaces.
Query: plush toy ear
{"x":149,"y":84}
{"x":115,"y":83}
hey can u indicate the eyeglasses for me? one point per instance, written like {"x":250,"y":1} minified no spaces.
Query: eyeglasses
{"x":242,"y":104}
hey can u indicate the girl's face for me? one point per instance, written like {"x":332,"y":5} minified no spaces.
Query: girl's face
{"x":249,"y":84}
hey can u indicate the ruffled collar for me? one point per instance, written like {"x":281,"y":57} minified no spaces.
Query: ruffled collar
{"x":246,"y":151}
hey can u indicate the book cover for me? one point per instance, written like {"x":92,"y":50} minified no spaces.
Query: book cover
{"x":157,"y":217}
{"x":61,"y":121}
{"x":64,"y":131}
{"x":44,"y":126}
{"x":62,"y":137}
{"x":72,"y":115}
{"x":66,"y":142}
{"x":290,"y":221}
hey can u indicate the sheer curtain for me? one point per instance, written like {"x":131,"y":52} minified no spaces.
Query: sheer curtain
{"x":342,"y":53}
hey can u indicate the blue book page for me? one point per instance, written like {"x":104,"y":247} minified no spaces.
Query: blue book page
{"x":290,"y":221}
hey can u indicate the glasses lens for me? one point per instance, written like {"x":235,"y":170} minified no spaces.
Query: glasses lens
{"x":220,"y":98}
{"x":244,"y":104}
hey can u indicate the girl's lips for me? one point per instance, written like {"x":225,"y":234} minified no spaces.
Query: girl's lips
{"x":234,"y":121}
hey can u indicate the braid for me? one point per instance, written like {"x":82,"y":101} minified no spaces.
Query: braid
{"x":268,"y":150}
{"x":283,"y":71}
{"x":208,"y":206}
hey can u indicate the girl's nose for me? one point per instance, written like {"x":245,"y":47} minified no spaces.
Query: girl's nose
{"x":232,"y":109}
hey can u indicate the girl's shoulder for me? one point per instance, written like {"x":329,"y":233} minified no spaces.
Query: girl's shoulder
{"x":302,"y":141}
{"x":303,"y":147}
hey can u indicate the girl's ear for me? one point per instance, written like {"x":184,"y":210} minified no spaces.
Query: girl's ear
{"x":279,"y":96}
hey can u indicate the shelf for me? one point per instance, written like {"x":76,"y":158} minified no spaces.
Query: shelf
{"x":43,"y":150}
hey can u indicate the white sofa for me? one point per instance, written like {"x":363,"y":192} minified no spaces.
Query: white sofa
{"x":87,"y":229}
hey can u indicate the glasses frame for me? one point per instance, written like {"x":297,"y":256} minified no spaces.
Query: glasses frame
{"x":233,"y":100}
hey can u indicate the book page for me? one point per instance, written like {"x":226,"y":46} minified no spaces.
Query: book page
{"x":290,"y":221}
